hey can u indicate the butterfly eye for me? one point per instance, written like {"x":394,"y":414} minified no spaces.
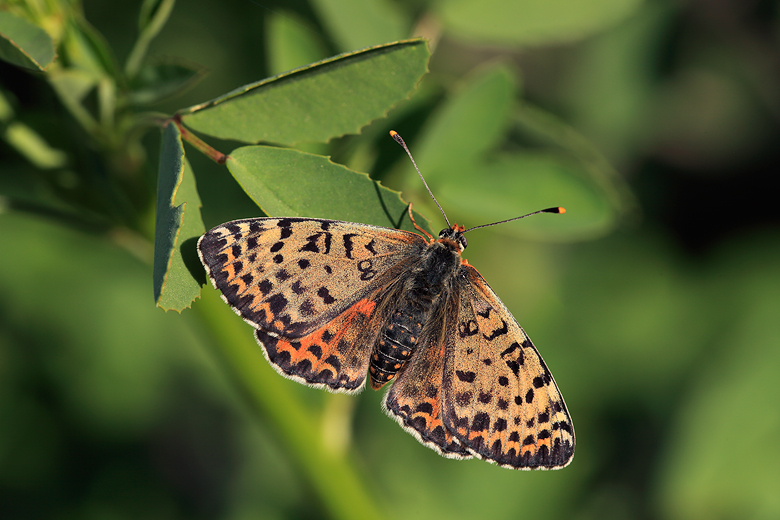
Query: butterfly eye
{"x":463,"y":242}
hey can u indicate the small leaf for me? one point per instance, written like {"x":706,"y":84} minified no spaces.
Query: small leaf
{"x":359,"y":23}
{"x":177,"y":272}
{"x":24,"y":44}
{"x":514,"y":184}
{"x":291,"y":42}
{"x":469,"y":123}
{"x":548,"y":128}
{"x":86,"y":49}
{"x":157,"y":81}
{"x":533,"y":22}
{"x":290,"y":183}
{"x":318,"y":102}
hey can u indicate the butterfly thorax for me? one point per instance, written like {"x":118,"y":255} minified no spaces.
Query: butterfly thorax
{"x":428,"y":281}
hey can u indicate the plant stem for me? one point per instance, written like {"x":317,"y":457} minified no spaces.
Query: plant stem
{"x":331,"y":475}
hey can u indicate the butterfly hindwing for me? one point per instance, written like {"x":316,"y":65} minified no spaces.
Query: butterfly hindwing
{"x":334,"y":357}
{"x":414,"y":399}
{"x":500,"y":400}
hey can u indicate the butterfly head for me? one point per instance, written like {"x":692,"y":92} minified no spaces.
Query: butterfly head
{"x":454,"y":235}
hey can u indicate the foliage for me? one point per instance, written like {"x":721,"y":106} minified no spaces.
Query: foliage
{"x":656,"y":311}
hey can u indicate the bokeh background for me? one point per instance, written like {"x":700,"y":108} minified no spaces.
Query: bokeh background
{"x":660,"y":322}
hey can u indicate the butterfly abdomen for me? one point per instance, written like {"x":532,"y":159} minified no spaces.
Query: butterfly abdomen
{"x":400,"y":337}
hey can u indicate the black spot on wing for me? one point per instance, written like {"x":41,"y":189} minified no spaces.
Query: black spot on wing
{"x":466,"y":377}
{"x":323,"y":293}
{"x":348,"y":246}
{"x":498,"y":332}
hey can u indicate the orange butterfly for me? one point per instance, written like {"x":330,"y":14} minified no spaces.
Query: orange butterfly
{"x":332,"y":301}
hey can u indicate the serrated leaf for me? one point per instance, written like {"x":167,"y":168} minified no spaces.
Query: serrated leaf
{"x":24,"y":44}
{"x":290,"y":183}
{"x":179,"y":224}
{"x":157,"y":81}
{"x":316,"y":103}
{"x":359,"y":23}
{"x":534,"y":22}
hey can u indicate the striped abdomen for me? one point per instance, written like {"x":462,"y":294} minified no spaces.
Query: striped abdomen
{"x":400,"y":337}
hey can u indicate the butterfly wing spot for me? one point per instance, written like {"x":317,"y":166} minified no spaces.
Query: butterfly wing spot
{"x":467,"y":328}
{"x":466,"y":377}
{"x":348,"y":244}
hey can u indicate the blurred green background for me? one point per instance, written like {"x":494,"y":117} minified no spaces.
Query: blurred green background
{"x":659,"y":317}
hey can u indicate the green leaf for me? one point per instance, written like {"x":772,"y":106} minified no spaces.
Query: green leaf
{"x":515,"y":184}
{"x":359,"y":23}
{"x":177,"y":272}
{"x":291,"y":42}
{"x":316,"y":103}
{"x":290,"y":183}
{"x":24,"y":44}
{"x":84,"y":48}
{"x":157,"y":81}
{"x":471,"y":122}
{"x":537,"y":22}
{"x":551,"y":130}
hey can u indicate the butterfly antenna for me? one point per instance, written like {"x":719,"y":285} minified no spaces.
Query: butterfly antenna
{"x":548,"y":210}
{"x":400,"y":141}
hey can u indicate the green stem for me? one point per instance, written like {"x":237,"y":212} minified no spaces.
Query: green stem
{"x":331,"y":475}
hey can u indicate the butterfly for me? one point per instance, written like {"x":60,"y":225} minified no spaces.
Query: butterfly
{"x":335,"y":304}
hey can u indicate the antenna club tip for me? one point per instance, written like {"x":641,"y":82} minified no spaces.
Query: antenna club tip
{"x":397,"y":137}
{"x":561,"y":210}
{"x":553,"y":210}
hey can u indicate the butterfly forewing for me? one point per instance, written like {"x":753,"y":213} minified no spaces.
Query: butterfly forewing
{"x":291,"y":276}
{"x":500,"y":400}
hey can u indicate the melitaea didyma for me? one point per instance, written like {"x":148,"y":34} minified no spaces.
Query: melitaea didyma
{"x":332,"y":301}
